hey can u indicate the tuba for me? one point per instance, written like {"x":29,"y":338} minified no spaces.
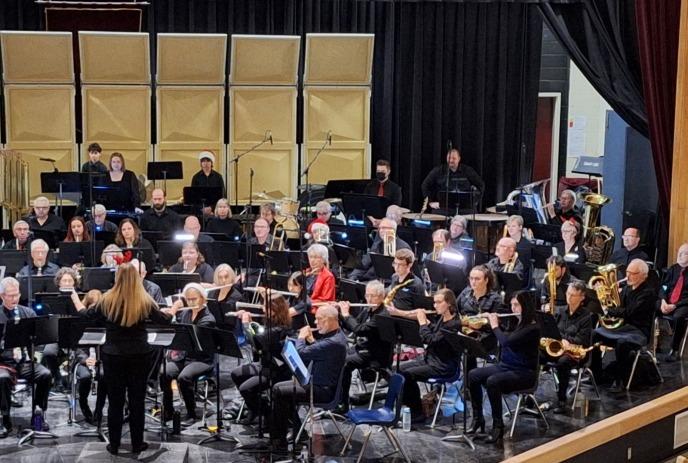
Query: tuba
{"x":593,"y":206}
{"x":389,"y":243}
{"x":598,"y":245}
{"x":607,"y":288}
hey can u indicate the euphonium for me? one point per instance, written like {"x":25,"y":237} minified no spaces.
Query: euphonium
{"x":607,"y":288}
{"x":437,"y":248}
{"x":389,"y":243}
{"x":552,"y":284}
{"x":598,"y":245}
{"x":509,"y":267}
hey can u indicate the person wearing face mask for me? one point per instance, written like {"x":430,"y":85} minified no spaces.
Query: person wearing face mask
{"x":382,"y":185}
{"x":673,"y":299}
{"x":160,"y":218}
{"x":455,"y":175}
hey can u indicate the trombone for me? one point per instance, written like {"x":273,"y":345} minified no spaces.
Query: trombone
{"x":277,"y":242}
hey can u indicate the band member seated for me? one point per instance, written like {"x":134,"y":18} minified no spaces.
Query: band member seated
{"x":366,"y":271}
{"x":328,"y":354}
{"x":460,"y":239}
{"x":99,"y":222}
{"x":440,"y":359}
{"x":323,"y":214}
{"x":253,"y":378}
{"x":110,"y":256}
{"x":19,"y":366}
{"x":563,"y":278}
{"x":637,"y":310}
{"x":300,"y":309}
{"x":570,"y":247}
{"x":404,"y":285}
{"x":230,"y":292}
{"x":320,"y":233}
{"x":479,"y":296}
{"x":369,"y":349}
{"x":44,"y":220}
{"x":129,"y":236}
{"x":506,"y":260}
{"x":455,"y":175}
{"x":320,"y":282}
{"x":222,"y":221}
{"x":124,"y":193}
{"x":153,"y":290}
{"x":516,"y":369}
{"x":575,"y":327}
{"x":630,"y":249}
{"x":186,"y":367}
{"x":39,"y":261}
{"x":207,"y":176}
{"x":193,"y":227}
{"x":524,"y":247}
{"x":382,"y":185}
{"x":673,"y":299}
{"x":268,"y":211}
{"x":77,"y":230}
{"x":22,"y":236}
{"x":160,"y":218}
{"x":567,"y":209}
{"x":261,"y":233}
{"x":192,"y":261}
{"x":127,"y":357}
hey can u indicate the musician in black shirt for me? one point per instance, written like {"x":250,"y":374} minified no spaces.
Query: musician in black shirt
{"x":673,"y":299}
{"x":369,"y":349}
{"x":563,"y":278}
{"x":123,"y":184}
{"x":382,"y":185}
{"x":207,"y":176}
{"x":366,"y":271}
{"x":505,"y":259}
{"x":405,"y":285}
{"x":630,"y":249}
{"x":567,"y":210}
{"x":222,"y":221}
{"x":159,"y":217}
{"x":22,"y":236}
{"x":43,"y":220}
{"x":454,"y":175}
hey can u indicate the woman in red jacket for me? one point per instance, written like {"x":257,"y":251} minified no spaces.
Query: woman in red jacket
{"x":320,"y":281}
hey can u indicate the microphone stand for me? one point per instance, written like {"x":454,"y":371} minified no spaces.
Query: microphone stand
{"x":236,"y":167}
{"x":446,"y":197}
{"x":306,"y":172}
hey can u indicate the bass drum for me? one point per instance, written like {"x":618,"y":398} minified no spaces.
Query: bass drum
{"x":287,"y":207}
{"x":290,"y":226}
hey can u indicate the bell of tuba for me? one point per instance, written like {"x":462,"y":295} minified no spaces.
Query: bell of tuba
{"x":607,"y":288}
{"x":598,"y":245}
{"x":593,"y":206}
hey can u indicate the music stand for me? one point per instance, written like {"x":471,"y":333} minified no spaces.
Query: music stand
{"x":348,"y":257}
{"x":447,"y":275}
{"x":51,"y":237}
{"x":13,"y":260}
{"x":547,"y":233}
{"x":201,"y":195}
{"x":173,"y":283}
{"x":361,"y":206}
{"x":101,"y":278}
{"x":397,"y":330}
{"x":59,"y":304}
{"x":81,"y":252}
{"x":581,"y":271}
{"x":169,"y":252}
{"x":509,"y":282}
{"x":280,"y":262}
{"x":296,"y":259}
{"x":382,"y":265}
{"x":60,"y":183}
{"x":226,"y":252}
{"x":27,"y":333}
{"x":165,"y":170}
{"x":105,"y":236}
{"x":465,"y":346}
{"x":352,"y":291}
{"x":153,"y":237}
{"x":39,"y":284}
{"x":220,"y":342}
{"x":548,"y":325}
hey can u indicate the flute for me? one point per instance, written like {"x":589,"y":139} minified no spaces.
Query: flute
{"x":255,"y":289}
{"x":351,"y":304}
{"x":499,"y":315}
{"x":236,"y":314}
{"x":211,"y":288}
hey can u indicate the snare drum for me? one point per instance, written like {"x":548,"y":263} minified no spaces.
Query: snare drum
{"x":287,"y":206}
{"x":413,"y":219}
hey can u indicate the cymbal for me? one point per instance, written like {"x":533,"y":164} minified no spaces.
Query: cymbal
{"x":423,"y":216}
{"x":487,"y":217}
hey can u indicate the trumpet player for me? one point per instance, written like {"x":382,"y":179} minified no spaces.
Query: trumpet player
{"x":575,"y":326}
{"x":562,"y":277}
{"x":505,"y":259}
{"x":674,"y":299}
{"x":637,"y":310}
{"x":387,"y":227}
{"x":369,"y":350}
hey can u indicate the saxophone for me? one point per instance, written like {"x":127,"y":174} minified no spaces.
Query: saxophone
{"x":392,"y":292}
{"x":555,"y":348}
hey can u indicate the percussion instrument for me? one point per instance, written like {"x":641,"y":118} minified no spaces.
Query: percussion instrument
{"x":487,"y":230}
{"x":287,"y":207}
{"x":436,"y":220}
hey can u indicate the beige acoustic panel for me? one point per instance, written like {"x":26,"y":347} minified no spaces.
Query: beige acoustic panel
{"x":335,"y":59}
{"x":116,"y":115}
{"x":254,"y":110}
{"x":37,"y":57}
{"x":189,"y":116}
{"x":337,"y":164}
{"x":114,"y":58}
{"x":40,"y":116}
{"x":264,"y":60}
{"x":190,"y":165}
{"x":343,"y":110}
{"x":65,"y":161}
{"x":191,"y":59}
{"x":275,"y":173}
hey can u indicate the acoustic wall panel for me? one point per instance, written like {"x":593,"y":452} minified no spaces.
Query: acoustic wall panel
{"x":37,"y":57}
{"x":264,"y":60}
{"x":274,"y":173}
{"x":190,"y":116}
{"x":254,"y":110}
{"x":114,"y":58}
{"x":191,"y":59}
{"x":338,"y":59}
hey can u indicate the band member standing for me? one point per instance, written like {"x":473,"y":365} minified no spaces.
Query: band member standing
{"x":563,"y":278}
{"x":516,"y":369}
{"x":382,"y":185}
{"x":440,"y":359}
{"x":366,"y":271}
{"x":369,"y":349}
{"x":186,"y":367}
{"x":21,"y":364}
{"x":567,"y":209}
{"x":404,"y":283}
{"x":570,"y":246}
{"x":630,"y":249}
{"x":207,"y":176}
{"x":328,"y":355}
{"x":674,"y":299}
{"x":575,"y":326}
{"x":192,"y":261}
{"x":637,"y":310}
{"x":160,"y":218}
{"x":39,"y":261}
{"x":125,"y":186}
{"x":124,"y":310}
{"x":22,"y":236}
{"x":94,"y":164}
{"x":454,"y":175}
{"x":505,"y":259}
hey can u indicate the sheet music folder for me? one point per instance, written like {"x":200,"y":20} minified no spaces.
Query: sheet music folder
{"x":301,"y":372}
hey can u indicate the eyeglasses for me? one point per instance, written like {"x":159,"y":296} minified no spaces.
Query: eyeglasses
{"x":629,"y":236}
{"x":628,"y":272}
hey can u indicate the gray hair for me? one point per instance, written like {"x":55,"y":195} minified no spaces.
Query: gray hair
{"x":391,"y":223}
{"x":8,"y":282}
{"x":319,"y":250}
{"x":66,"y":271}
{"x":328,"y":311}
{"x":515,"y":219}
{"x":376,"y":287}
{"x":323,"y":206}
{"x":39,"y":242}
{"x":642,"y":266}
{"x":99,"y":209}
{"x":394,"y":213}
{"x":41,"y":199}
{"x":460,"y":219}
{"x":571,"y":194}
{"x":19,"y":222}
{"x":223,"y":268}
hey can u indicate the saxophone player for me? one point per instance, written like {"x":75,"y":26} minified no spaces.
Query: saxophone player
{"x":575,"y":326}
{"x":404,"y":283}
{"x":506,"y":260}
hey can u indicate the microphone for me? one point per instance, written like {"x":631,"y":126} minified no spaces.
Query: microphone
{"x":329,"y":137}
{"x":251,"y":172}
{"x":46,"y":159}
{"x":269,"y":136}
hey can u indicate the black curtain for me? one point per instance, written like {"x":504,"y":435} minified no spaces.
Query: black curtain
{"x":461,"y":71}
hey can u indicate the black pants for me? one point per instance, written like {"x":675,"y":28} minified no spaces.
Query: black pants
{"x":624,"y":340}
{"x":83,"y":381}
{"x":284,"y":395}
{"x":418,"y":370}
{"x":679,"y":319}
{"x":497,"y":380}
{"x":186,"y":373}
{"x":41,"y":380}
{"x":564,"y":366}
{"x":51,"y":359}
{"x":354,"y":361}
{"x":126,"y":377}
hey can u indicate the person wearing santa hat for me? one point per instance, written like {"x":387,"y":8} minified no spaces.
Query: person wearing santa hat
{"x":207,"y":177}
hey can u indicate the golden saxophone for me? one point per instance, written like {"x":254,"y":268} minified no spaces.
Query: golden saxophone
{"x":392,"y":292}
{"x":555,"y":348}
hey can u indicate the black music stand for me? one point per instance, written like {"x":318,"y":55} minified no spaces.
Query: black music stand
{"x":169,"y":252}
{"x":351,"y":290}
{"x":81,"y":252}
{"x":465,"y":346}
{"x":154,"y":236}
{"x":348,"y":257}
{"x":361,"y":206}
{"x":423,"y":302}
{"x":101,"y":278}
{"x":581,"y":271}
{"x":509,"y":282}
{"x":27,"y":333}
{"x":548,"y":325}
{"x":201,"y":195}
{"x":226,"y":252}
{"x":397,"y":330}
{"x":94,"y":337}
{"x":173,"y":283}
{"x":13,"y":260}
{"x":39,"y":284}
{"x":297,"y":258}
{"x":547,"y":233}
{"x":105,"y":236}
{"x":58,"y":303}
{"x":447,"y":275}
{"x":540,"y":253}
{"x":60,"y":183}
{"x":165,"y":170}
{"x":382,"y":265}
{"x":220,"y":342}
{"x":52,"y":237}
{"x":280,"y":261}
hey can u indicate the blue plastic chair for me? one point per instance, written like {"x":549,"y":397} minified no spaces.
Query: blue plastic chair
{"x":442,"y":381}
{"x":386,"y":417}
{"x":325,"y":409}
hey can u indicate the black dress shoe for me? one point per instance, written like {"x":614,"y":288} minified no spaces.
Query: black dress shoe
{"x":112,"y":450}
{"x":496,"y":434}
{"x":672,"y":356}
{"x":560,"y":409}
{"x":4,"y":432}
{"x":189,"y":420}
{"x":142,"y":447}
{"x":7,"y":423}
{"x":477,"y":424}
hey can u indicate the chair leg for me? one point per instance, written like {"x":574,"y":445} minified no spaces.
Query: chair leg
{"x":390,"y":434}
{"x":336,"y":425}
{"x":241,"y":410}
{"x":508,"y":413}
{"x":683,"y":343}
{"x":594,"y":383}
{"x":654,"y":362}
{"x":537,"y":406}
{"x":635,"y":364}
{"x":361,"y":384}
{"x":205,"y":404}
{"x":377,"y":379}
{"x":303,"y":425}
{"x":513,"y":421}
{"x":347,"y":441}
{"x":365,"y":444}
{"x":439,"y":405}
{"x":578,"y":381}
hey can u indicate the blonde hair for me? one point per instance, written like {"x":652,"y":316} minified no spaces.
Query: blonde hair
{"x":127,"y":303}
{"x":222,"y":268}
{"x":223,"y":202}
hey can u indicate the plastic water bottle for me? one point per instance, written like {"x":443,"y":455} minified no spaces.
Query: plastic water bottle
{"x":406,"y":419}
{"x":303,"y":456}
{"x":37,"y":420}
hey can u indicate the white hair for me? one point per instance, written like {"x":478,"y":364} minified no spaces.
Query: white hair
{"x":319,"y":250}
{"x":394,"y":213}
{"x":376,"y":287}
{"x":515,"y":219}
{"x":643,"y":268}
{"x":323,"y":206}
{"x":99,"y":209}
{"x":19,"y":222}
{"x":41,"y":199}
{"x":460,"y":219}
{"x":39,"y":242}
{"x":8,"y":282}
{"x":328,"y":311}
{"x":571,"y":194}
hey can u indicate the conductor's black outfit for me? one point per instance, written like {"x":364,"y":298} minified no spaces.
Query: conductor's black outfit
{"x":127,"y":359}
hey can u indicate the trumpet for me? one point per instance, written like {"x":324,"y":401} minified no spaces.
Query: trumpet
{"x":509,"y":267}
{"x":389,"y":243}
{"x":555,"y":348}
{"x":257,"y":289}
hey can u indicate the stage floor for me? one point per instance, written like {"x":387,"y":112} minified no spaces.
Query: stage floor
{"x":422,"y":444}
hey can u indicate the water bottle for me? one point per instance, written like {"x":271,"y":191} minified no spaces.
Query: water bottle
{"x":303,"y":456}
{"x":176,"y":422}
{"x":406,"y":419}
{"x":37,"y":420}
